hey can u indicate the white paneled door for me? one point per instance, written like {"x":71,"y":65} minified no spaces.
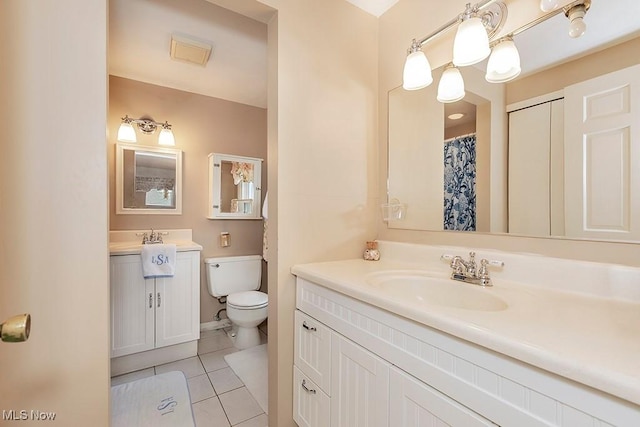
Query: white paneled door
{"x":54,"y":212}
{"x":602,"y":157}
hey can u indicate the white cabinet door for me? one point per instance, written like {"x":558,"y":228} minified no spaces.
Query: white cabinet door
{"x":132,"y":307}
{"x":359,"y":386}
{"x":312,"y":351}
{"x":415,"y":404}
{"x":311,"y":406}
{"x":177,"y":302}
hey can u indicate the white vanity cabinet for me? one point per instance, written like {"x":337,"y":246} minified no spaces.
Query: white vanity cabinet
{"x":358,"y":365}
{"x":153,"y":313}
{"x":340,"y":383}
{"x":337,"y":382}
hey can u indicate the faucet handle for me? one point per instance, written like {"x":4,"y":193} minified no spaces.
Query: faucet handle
{"x":446,"y":257}
{"x":493,"y":262}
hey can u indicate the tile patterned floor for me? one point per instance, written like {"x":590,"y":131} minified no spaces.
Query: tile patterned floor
{"x":218,"y":396}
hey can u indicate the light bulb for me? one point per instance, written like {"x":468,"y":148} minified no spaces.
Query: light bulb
{"x":548,"y":5}
{"x":451,"y":87}
{"x":417,"y":71}
{"x":577,"y":26}
{"x":471,"y":44}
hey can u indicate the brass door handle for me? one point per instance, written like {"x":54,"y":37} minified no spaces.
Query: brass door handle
{"x":16,"y":328}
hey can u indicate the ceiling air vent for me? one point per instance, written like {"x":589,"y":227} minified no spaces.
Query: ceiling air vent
{"x":189,"y":50}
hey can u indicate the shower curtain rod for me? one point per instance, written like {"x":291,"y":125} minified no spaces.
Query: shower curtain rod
{"x":458,"y":137}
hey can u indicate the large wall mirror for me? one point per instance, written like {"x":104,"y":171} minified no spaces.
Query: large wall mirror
{"x":148,"y":180}
{"x":498,"y":169}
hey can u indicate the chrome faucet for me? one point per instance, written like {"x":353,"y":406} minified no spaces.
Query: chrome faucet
{"x":152,"y":238}
{"x":468,"y":271}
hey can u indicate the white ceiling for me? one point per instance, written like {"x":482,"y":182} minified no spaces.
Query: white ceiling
{"x":140,"y":33}
{"x":374,"y":7}
{"x":139,"y":39}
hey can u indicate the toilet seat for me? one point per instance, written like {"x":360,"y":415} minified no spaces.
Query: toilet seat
{"x":248,"y":300}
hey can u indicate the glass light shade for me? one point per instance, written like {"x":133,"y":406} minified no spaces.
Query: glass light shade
{"x":548,"y":5}
{"x":504,"y":63}
{"x":417,"y":71}
{"x":126,"y":133}
{"x":471,"y":44}
{"x":166,"y":137}
{"x":451,"y":86}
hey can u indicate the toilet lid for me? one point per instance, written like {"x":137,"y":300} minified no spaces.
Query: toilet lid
{"x":253,"y":299}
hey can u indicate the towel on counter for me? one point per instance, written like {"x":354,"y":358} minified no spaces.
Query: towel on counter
{"x":158,"y":260}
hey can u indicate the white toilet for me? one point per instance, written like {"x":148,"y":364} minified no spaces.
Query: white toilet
{"x":238,"y":279}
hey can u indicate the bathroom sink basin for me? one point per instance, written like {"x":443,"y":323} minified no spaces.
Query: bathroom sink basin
{"x":426,"y":288}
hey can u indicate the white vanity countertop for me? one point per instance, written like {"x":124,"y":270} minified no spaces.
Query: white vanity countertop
{"x":590,"y":339}
{"x":129,"y":242}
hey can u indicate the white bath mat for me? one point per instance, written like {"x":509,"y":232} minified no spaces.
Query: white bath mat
{"x":251,"y":366}
{"x":160,"y":400}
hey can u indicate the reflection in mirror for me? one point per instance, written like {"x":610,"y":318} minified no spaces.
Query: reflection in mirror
{"x":439,"y":167}
{"x":234,"y":187}
{"x":539,"y":181}
{"x":237,"y":187}
{"x":148,"y":180}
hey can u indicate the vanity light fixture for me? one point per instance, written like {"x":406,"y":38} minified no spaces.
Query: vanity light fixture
{"x":476,"y":25}
{"x":472,"y":44}
{"x":126,"y":132}
{"x":451,"y":86}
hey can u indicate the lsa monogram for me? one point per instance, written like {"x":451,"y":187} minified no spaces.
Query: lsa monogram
{"x":160,"y":259}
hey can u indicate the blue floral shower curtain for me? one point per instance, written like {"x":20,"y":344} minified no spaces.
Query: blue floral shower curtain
{"x":460,"y":183}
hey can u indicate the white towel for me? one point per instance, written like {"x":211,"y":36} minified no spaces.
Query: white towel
{"x":158,"y":260}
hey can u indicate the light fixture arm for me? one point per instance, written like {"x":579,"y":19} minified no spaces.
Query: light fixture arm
{"x":146,"y":125}
{"x":469,"y":11}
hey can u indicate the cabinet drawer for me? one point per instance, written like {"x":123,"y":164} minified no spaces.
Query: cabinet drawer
{"x":311,"y":406}
{"x":414,"y":403}
{"x":312,"y":353}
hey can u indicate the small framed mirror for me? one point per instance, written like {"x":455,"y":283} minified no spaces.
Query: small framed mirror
{"x":234,"y":187}
{"x":148,"y":180}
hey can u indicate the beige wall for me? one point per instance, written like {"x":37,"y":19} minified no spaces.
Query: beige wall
{"x":412,"y":18}
{"x":556,"y":78}
{"x":53,"y":209}
{"x":201,"y":125}
{"x":322,"y":128}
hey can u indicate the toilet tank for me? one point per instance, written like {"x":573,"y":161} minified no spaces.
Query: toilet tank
{"x":227,"y":275}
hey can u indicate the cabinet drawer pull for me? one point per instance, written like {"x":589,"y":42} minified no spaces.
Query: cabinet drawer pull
{"x":308,"y":390}
{"x":150,"y":300}
{"x":158,"y":299}
{"x":307,"y":327}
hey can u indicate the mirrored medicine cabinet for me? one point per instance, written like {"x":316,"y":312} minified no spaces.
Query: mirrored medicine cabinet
{"x":148,"y":180}
{"x":234,"y":187}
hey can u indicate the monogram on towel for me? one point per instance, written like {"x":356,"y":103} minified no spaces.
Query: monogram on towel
{"x":158,"y":260}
